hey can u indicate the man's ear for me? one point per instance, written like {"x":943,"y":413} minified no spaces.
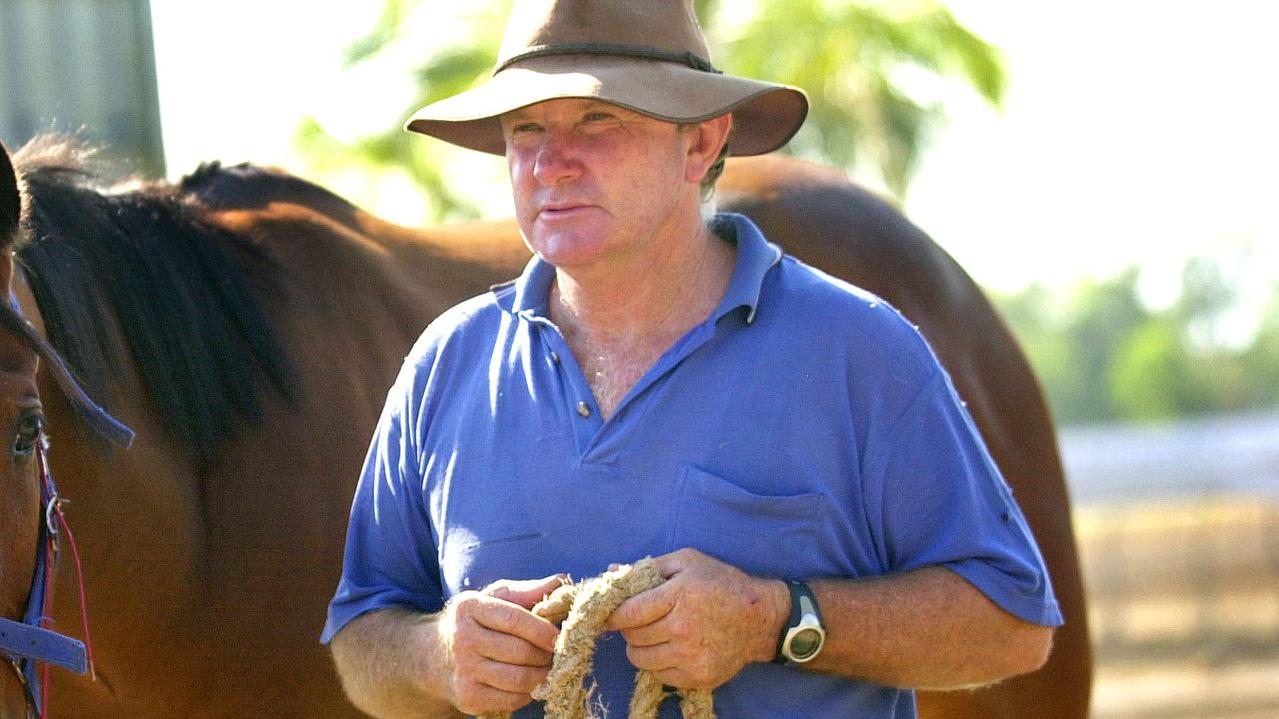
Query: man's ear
{"x":708,"y":139}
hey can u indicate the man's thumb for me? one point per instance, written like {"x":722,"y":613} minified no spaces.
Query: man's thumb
{"x":525,"y":592}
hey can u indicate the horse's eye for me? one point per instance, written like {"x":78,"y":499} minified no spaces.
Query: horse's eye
{"x":28,"y":435}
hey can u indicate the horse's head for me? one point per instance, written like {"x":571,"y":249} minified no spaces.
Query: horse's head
{"x":28,"y":504}
{"x":20,"y":424}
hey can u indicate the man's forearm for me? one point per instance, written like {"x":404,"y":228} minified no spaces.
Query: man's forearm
{"x":926,"y":629}
{"x":390,"y":664}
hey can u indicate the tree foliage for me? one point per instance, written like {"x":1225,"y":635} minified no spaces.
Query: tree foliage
{"x":865,"y":65}
{"x":1103,"y":355}
{"x":855,"y":60}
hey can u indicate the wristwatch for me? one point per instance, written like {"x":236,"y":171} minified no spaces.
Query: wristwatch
{"x":802,"y":638}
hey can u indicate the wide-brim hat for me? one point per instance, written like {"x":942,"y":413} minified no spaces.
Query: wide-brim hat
{"x":646,"y":55}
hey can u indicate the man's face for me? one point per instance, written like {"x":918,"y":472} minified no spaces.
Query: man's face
{"x":595,"y":183}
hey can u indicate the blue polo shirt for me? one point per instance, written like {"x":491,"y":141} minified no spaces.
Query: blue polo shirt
{"x":805,"y":429}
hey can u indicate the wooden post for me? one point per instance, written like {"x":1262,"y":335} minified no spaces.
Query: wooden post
{"x":82,"y":65}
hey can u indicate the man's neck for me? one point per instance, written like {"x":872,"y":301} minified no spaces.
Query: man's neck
{"x":618,"y":324}
{"x":656,"y":294}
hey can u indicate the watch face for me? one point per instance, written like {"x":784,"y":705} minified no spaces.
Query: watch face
{"x":805,"y":642}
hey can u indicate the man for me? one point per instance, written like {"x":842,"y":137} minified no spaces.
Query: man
{"x":832,"y":531}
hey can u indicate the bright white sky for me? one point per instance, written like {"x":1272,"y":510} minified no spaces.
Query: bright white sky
{"x":1135,"y":131}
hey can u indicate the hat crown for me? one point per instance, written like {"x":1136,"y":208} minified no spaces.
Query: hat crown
{"x":669,"y":26}
{"x":646,"y":55}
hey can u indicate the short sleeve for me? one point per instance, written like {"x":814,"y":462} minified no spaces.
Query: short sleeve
{"x":938,"y":499}
{"x":390,"y":558}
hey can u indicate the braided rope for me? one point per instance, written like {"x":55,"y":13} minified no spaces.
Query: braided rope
{"x":584,"y":609}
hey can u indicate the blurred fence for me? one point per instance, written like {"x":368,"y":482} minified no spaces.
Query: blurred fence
{"x":1178,"y":528}
{"x":1195,"y":579}
{"x":1236,"y":455}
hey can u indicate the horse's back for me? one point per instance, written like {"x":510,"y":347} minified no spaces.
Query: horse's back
{"x":264,"y":517}
{"x":821,"y":218}
{"x":363,"y":289}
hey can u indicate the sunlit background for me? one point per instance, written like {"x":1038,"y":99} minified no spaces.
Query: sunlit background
{"x":1118,"y":203}
{"x":1132,"y":132}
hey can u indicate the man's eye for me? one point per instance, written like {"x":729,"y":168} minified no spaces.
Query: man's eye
{"x":597,"y":116}
{"x":524,"y":127}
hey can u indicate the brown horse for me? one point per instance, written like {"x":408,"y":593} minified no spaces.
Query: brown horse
{"x":247,"y":325}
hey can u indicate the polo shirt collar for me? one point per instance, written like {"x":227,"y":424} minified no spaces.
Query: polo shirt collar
{"x":529,"y":295}
{"x":532,"y":295}
{"x":755,"y":257}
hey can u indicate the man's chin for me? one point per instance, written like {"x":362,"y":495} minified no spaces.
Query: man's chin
{"x":568,"y":249}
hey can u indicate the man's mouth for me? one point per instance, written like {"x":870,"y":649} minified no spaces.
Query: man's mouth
{"x":557,"y":210}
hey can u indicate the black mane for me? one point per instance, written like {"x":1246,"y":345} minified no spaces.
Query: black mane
{"x":141,"y":258}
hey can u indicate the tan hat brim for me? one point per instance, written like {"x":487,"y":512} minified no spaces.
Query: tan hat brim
{"x":765,"y":115}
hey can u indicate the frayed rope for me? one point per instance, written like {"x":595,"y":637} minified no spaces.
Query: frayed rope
{"x":584,"y":609}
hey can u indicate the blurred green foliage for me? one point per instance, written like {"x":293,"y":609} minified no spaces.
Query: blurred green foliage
{"x":872,"y":71}
{"x":867,"y":68}
{"x":1102,"y":355}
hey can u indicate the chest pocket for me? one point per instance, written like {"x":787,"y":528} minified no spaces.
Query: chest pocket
{"x":475,"y":565}
{"x":759,"y":534}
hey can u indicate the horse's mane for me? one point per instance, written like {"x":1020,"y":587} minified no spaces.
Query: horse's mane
{"x":140,"y":257}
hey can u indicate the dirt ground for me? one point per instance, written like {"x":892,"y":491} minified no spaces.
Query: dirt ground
{"x":1172,"y":690}
{"x":1184,"y":608}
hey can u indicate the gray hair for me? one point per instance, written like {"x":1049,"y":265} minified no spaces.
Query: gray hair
{"x":712,"y":176}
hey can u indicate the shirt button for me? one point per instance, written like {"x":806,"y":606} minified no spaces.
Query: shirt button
{"x":555,"y":357}
{"x":583,"y":410}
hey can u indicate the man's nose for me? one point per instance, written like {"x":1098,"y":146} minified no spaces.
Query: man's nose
{"x":557,"y":158}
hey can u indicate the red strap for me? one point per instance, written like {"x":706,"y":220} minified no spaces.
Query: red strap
{"x":50,"y":556}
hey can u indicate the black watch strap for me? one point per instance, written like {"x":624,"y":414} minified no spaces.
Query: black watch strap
{"x":802,"y":601}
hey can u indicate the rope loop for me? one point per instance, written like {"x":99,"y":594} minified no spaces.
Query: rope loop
{"x":584,"y":609}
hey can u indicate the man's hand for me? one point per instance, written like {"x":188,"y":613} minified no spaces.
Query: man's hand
{"x":498,"y":651}
{"x":704,"y":624}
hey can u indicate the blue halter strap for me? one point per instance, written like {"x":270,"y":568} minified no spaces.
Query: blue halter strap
{"x":25,"y":644}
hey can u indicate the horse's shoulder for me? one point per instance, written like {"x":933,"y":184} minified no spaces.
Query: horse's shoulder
{"x":819,"y":215}
{"x":818,"y":201}
{"x":800,"y":185}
